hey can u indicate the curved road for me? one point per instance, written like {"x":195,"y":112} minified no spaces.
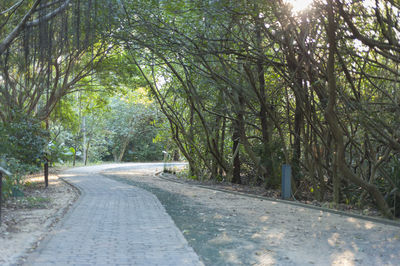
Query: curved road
{"x":114,"y":224}
{"x":119,"y":221}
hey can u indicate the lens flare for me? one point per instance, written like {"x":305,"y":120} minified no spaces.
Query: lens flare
{"x":299,"y":5}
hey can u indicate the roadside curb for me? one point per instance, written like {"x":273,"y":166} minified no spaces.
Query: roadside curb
{"x":293,"y":203}
{"x":78,"y":190}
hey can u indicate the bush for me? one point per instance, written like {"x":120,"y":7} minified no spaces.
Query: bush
{"x":21,"y":151}
{"x":24,"y":140}
{"x":13,"y":185}
{"x":59,"y":153}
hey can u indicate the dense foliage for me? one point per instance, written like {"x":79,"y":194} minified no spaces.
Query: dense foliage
{"x":250,"y":85}
{"x":244,"y":86}
{"x":22,"y":147}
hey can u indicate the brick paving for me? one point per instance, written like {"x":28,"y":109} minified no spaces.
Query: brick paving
{"x":113,"y":224}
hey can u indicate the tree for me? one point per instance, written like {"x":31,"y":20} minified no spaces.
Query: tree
{"x":17,"y":17}
{"x":45,"y":63}
{"x":271,"y":77}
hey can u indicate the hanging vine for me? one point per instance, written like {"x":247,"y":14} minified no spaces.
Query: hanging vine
{"x":47,"y":51}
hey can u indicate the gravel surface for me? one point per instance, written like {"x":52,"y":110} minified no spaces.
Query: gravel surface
{"x":227,"y":229}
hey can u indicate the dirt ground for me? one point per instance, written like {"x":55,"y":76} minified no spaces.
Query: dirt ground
{"x":275,"y":194}
{"x":26,"y":220}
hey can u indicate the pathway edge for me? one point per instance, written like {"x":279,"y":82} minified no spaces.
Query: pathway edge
{"x":293,"y":203}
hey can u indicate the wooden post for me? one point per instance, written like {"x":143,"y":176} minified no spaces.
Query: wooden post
{"x":46,"y":172}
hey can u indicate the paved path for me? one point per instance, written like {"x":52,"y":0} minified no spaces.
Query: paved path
{"x":113,"y":224}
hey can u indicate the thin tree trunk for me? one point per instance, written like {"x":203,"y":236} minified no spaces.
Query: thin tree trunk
{"x":84,"y":139}
{"x":126,"y":140}
{"x":87,"y":151}
{"x":222,"y":143}
{"x":74,"y":160}
{"x":235,"y":152}
{"x":123,"y":149}
{"x":336,"y":180}
{"x":265,"y":129}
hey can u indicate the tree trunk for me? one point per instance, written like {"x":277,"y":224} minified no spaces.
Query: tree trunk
{"x":175,"y":156}
{"x":222,"y":143}
{"x":126,"y":140}
{"x":265,"y":129}
{"x":84,"y":139}
{"x":335,"y":180}
{"x":87,"y":150}
{"x":74,"y":160}
{"x":333,"y":122}
{"x":123,"y":149}
{"x":295,"y":67}
{"x":236,"y":153}
{"x":298,"y":124}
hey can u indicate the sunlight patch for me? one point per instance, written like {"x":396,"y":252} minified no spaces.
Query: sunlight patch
{"x":346,"y":258}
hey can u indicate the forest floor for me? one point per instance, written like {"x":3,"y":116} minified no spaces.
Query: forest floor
{"x":306,"y":197}
{"x":223,"y":228}
{"x":25,"y":221}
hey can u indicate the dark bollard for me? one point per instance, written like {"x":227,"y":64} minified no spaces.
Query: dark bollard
{"x":286,"y":181}
{"x":46,"y":173}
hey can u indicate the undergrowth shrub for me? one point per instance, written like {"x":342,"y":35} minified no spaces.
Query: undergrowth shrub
{"x":22,"y":148}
